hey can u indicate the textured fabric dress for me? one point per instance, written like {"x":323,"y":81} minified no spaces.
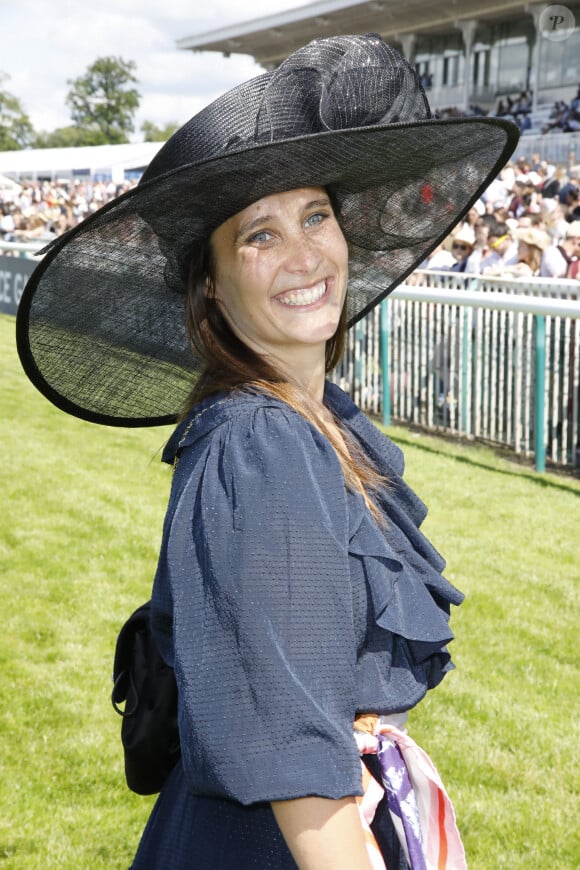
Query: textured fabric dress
{"x":285,"y":610}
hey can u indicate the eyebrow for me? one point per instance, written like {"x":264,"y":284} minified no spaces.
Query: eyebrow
{"x":263,"y":219}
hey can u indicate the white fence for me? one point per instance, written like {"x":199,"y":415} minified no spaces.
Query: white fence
{"x":488,"y":358}
{"x":21,"y":249}
{"x":487,"y":363}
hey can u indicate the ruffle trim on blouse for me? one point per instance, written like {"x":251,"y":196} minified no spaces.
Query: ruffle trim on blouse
{"x":410,"y":596}
{"x":402,"y":597}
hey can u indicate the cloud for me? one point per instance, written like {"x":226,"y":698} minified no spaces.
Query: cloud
{"x":69,"y":35}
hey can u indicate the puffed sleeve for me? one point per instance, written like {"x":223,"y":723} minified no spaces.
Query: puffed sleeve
{"x":264,"y":644}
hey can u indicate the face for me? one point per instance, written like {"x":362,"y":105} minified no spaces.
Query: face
{"x":281,"y":272}
{"x":523,"y":251}
{"x":461,"y":250}
{"x":500,"y":244}
{"x":481,"y":233}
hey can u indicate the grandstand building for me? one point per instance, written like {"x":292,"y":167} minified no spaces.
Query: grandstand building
{"x":468,"y":52}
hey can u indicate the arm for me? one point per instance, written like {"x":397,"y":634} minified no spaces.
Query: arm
{"x":256,"y":563}
{"x":323,"y":834}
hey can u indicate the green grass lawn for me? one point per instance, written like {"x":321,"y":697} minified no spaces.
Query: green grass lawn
{"x":79,"y":531}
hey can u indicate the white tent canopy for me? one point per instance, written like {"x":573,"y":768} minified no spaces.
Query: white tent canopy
{"x":9,"y":184}
{"x":109,"y":161}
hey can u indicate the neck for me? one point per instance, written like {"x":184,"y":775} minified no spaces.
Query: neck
{"x":308,"y":369}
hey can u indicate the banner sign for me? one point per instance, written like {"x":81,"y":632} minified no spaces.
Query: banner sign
{"x":14,"y":273}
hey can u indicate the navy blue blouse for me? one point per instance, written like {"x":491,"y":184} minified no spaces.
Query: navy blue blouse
{"x":284,"y":608}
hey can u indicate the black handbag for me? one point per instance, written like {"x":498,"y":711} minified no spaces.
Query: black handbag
{"x":147,"y":687}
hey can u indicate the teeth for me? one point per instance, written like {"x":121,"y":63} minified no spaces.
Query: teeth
{"x":303,"y":297}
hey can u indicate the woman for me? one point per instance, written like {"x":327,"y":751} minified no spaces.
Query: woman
{"x":294,"y":593}
{"x":532,"y":243}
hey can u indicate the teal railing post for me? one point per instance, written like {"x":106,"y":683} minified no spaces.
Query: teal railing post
{"x":540,"y":357}
{"x":464,"y":362}
{"x":385,"y":365}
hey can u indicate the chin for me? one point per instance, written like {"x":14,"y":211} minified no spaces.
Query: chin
{"x":318,"y":335}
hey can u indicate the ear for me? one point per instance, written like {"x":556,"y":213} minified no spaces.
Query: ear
{"x":210,"y":290}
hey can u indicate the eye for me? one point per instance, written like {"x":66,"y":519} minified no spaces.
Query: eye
{"x":260,"y":236}
{"x":315,"y":219}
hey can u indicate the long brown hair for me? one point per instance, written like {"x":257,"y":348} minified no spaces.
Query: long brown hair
{"x":532,"y":258}
{"x":229,"y":364}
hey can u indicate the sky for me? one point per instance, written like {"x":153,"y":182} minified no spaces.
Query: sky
{"x":45,"y":42}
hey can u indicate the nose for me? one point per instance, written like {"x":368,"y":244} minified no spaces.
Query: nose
{"x":303,"y":256}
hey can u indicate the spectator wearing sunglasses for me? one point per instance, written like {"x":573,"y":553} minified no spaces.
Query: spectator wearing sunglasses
{"x":462,"y":247}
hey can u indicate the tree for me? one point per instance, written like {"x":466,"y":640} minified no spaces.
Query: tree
{"x":16,"y":130}
{"x":67,"y":137}
{"x":153,"y":133}
{"x":101,"y":101}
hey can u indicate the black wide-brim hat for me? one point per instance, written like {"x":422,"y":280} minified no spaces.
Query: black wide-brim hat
{"x":100,"y":326}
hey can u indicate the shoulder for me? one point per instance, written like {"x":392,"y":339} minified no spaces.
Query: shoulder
{"x":552,"y":262}
{"x":238,"y":410}
{"x":250,"y":435}
{"x":255,"y":467}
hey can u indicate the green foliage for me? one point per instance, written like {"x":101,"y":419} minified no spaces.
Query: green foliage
{"x":16,"y":130}
{"x":102,"y":102}
{"x":79,"y":532}
{"x":153,"y":133}
{"x":68,"y":137}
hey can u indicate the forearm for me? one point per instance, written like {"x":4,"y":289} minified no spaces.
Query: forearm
{"x":323,"y":834}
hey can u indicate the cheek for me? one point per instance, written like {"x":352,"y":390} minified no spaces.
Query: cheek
{"x":239,"y":288}
{"x":338,"y":248}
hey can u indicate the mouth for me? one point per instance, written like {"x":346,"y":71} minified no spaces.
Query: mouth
{"x":301,"y":296}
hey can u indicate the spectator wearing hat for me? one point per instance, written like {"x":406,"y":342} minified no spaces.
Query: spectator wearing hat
{"x":462,"y":247}
{"x":531,"y":245}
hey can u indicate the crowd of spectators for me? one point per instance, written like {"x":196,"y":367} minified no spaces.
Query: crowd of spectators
{"x":43,"y":210}
{"x":517,"y":110}
{"x":527,"y":222}
{"x":564,"y":118}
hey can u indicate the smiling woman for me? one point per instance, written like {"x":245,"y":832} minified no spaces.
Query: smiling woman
{"x":281,"y":272}
{"x":300,"y":605}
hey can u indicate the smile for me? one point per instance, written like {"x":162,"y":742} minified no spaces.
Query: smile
{"x":303,"y":296}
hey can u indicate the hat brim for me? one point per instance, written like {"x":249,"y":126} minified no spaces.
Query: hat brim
{"x":100,"y":326}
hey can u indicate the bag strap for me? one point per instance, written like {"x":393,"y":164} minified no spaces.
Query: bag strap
{"x":122,"y":666}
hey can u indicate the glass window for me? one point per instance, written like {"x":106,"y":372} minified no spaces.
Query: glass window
{"x":422,"y":65}
{"x":513,"y":62}
{"x":560,"y":61}
{"x":480,"y":68}
{"x":451,"y":70}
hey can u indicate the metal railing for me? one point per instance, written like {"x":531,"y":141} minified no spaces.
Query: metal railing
{"x":495,"y":359}
{"x":496,"y":366}
{"x":554,"y":147}
{"x":22,"y":249}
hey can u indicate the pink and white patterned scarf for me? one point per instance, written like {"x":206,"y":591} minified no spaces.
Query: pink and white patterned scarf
{"x":419,"y":806}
